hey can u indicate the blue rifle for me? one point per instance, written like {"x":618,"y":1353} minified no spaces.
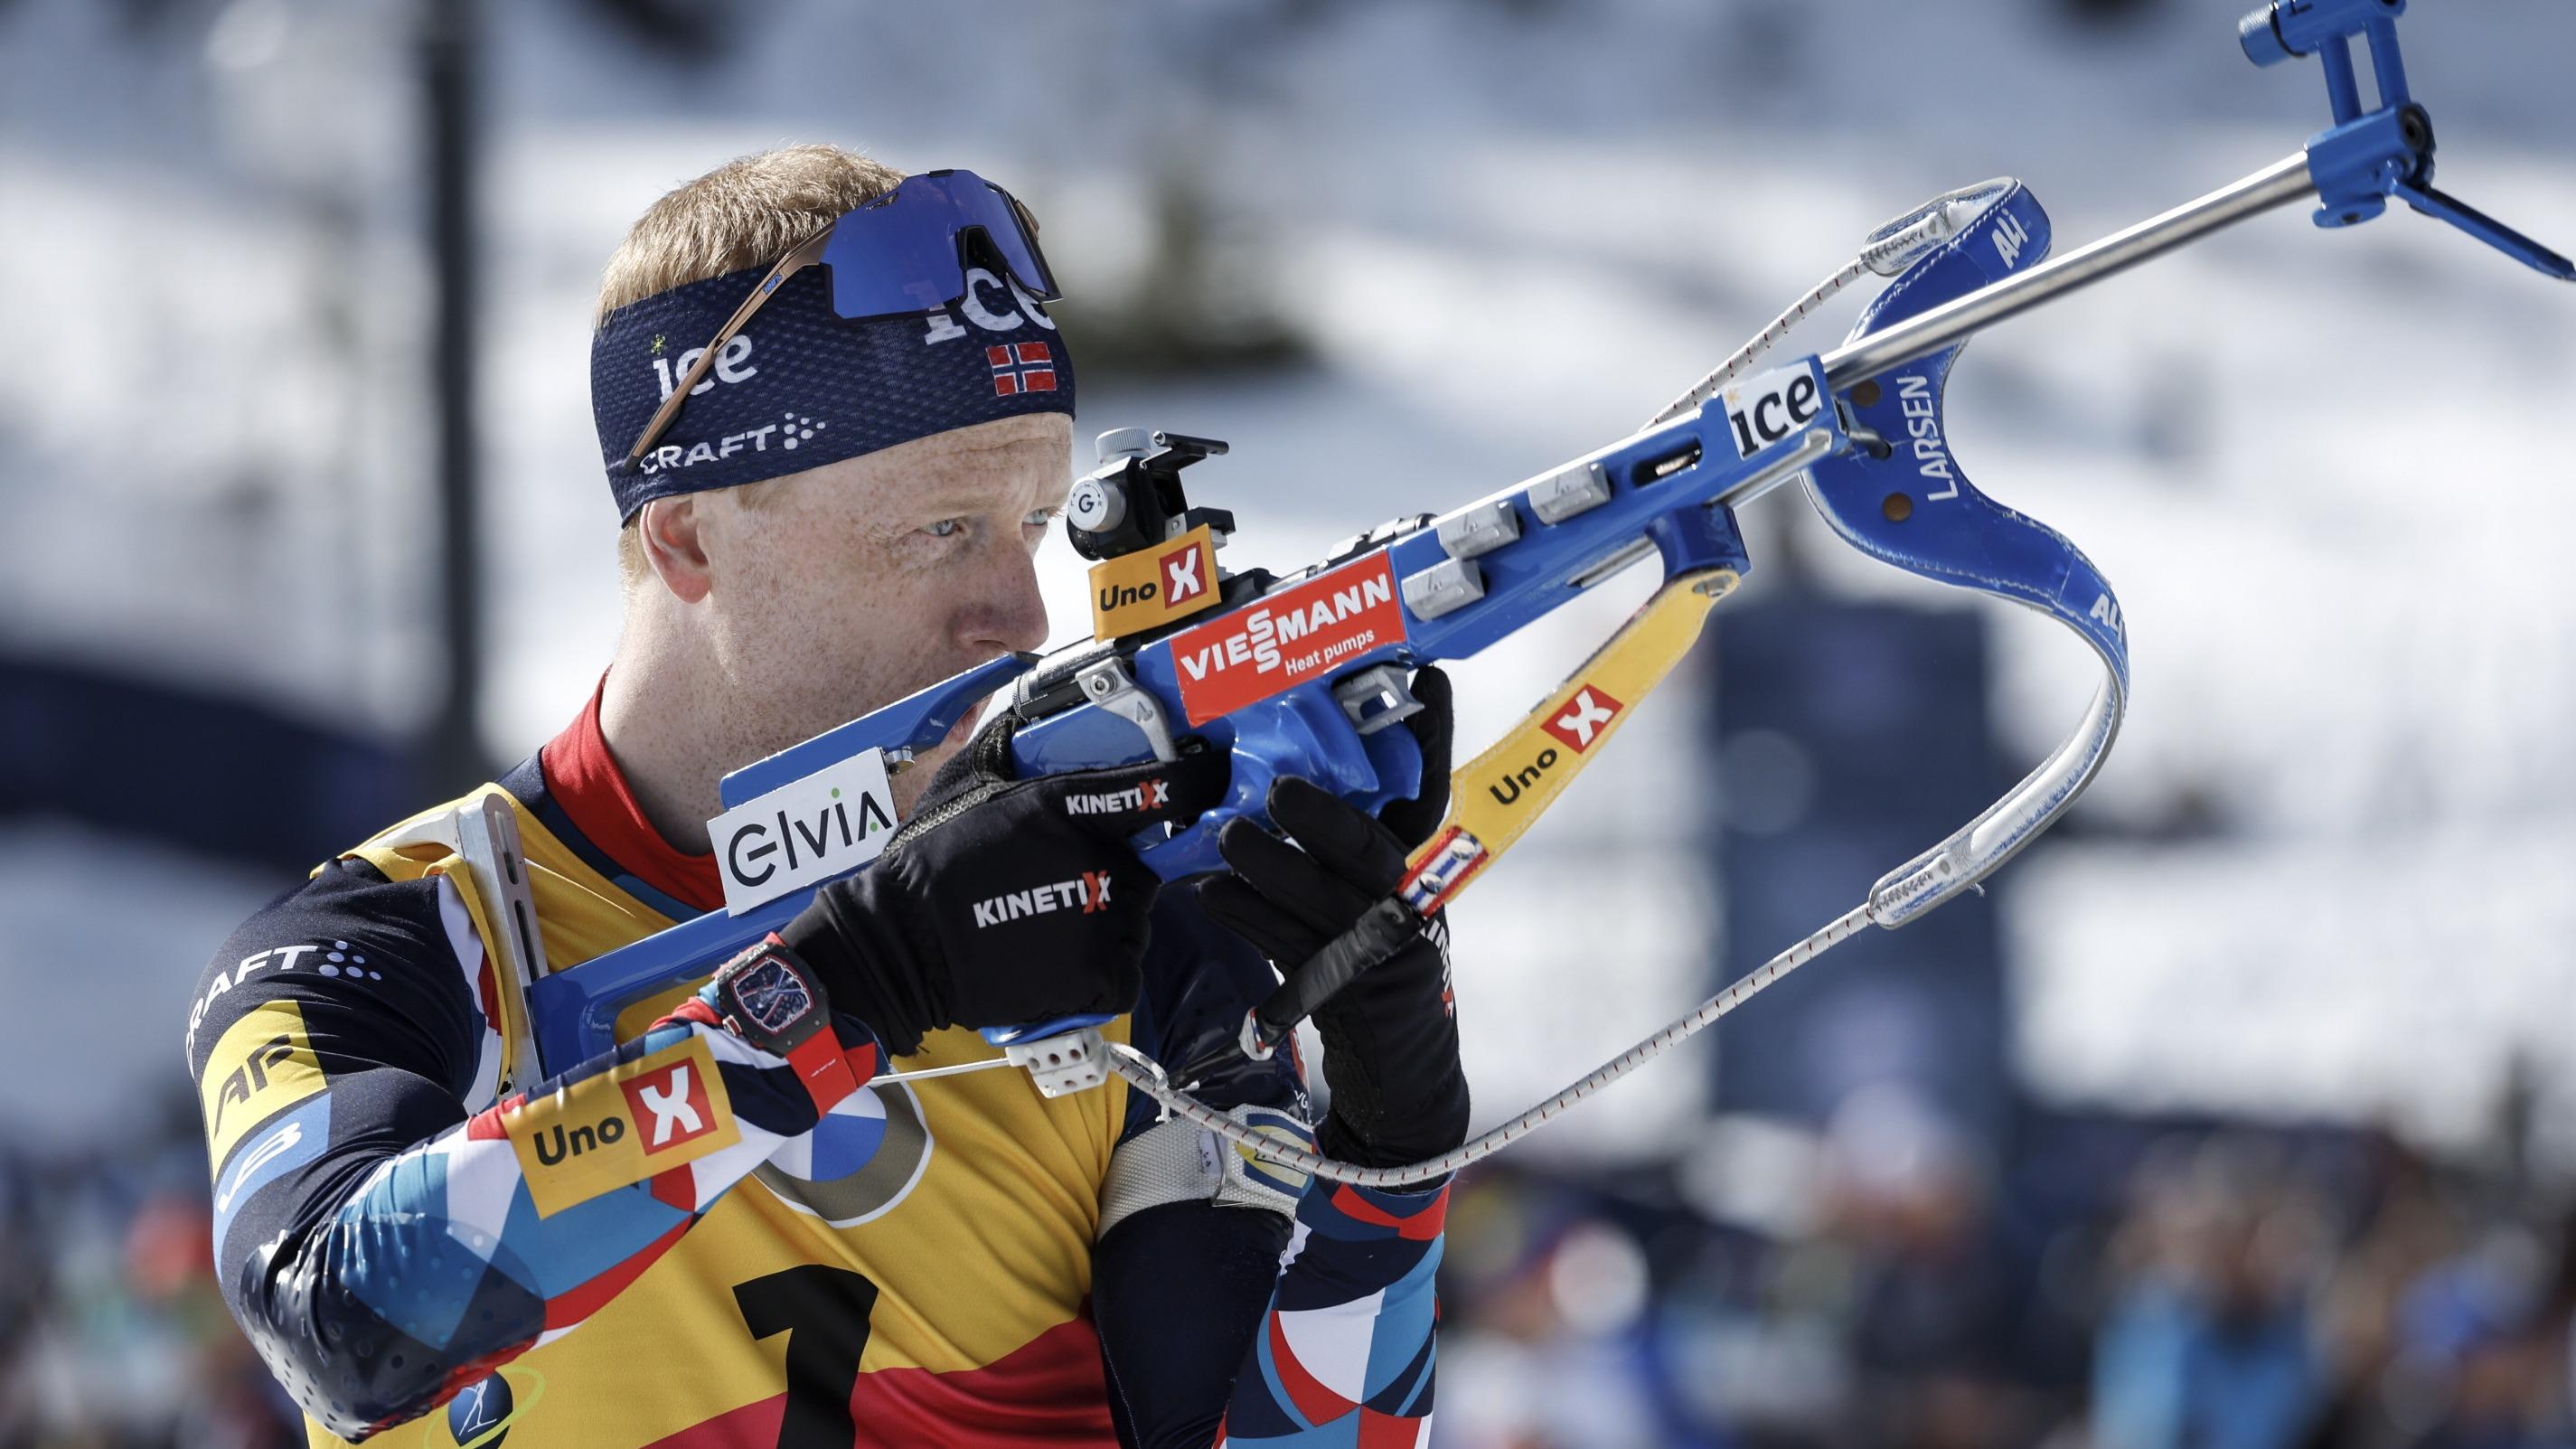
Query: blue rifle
{"x":1303,"y":674}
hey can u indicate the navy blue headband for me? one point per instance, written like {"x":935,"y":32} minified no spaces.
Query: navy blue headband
{"x":799,"y":387}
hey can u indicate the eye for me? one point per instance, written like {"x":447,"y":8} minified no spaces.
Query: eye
{"x":946,"y":528}
{"x":1041,"y":517}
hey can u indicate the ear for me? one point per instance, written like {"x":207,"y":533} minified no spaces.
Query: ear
{"x":668,"y":528}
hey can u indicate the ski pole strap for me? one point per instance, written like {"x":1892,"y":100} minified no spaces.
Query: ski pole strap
{"x":1377,"y":935}
{"x":1915,"y":508}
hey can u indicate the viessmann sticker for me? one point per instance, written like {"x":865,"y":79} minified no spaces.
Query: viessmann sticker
{"x":1287,"y":639}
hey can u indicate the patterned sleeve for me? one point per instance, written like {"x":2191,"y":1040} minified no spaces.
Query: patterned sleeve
{"x":1303,"y":1321}
{"x":1347,"y":1346}
{"x":386,"y":1231}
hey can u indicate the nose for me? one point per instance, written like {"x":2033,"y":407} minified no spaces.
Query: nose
{"x":1007,"y":615}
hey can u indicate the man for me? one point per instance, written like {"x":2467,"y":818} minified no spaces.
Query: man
{"x":720,"y":1233}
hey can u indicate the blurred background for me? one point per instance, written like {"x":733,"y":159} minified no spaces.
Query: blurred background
{"x":2235,"y":1114}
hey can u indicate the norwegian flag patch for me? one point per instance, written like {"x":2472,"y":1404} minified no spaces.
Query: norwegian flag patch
{"x":1021,"y":367}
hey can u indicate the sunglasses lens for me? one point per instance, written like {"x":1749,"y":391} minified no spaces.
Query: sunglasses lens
{"x":909,"y":253}
{"x":1014,"y":232}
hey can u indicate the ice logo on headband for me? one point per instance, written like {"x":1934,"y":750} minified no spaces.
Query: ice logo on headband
{"x":800,"y":387}
{"x":732,"y":364}
{"x":944,"y":328}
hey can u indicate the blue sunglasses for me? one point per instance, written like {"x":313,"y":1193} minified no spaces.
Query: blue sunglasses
{"x":904,"y":253}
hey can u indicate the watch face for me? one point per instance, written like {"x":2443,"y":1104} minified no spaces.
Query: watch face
{"x":771,"y":997}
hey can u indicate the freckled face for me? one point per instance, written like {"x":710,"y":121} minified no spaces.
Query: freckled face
{"x":862,"y":581}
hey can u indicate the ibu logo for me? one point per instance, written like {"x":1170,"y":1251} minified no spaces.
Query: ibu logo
{"x":481,"y":1415}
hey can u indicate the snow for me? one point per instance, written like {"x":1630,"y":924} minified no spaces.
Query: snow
{"x":2399,"y":973}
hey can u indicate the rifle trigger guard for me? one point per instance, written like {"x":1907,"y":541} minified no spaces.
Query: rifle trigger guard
{"x":1109,"y":685}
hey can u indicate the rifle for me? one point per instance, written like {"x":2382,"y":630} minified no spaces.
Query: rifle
{"x":1304,"y":673}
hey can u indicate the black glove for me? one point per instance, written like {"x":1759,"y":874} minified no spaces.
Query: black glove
{"x":1391,"y":1036}
{"x":1001,"y":902}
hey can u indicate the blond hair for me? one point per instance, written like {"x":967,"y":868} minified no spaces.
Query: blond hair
{"x":748,"y":212}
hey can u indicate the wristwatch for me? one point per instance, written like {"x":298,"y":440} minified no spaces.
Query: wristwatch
{"x":768,"y":996}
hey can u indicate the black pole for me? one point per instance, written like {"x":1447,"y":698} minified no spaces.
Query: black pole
{"x":453,"y":754}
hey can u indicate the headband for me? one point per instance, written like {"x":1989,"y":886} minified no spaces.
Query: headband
{"x":800,"y":387}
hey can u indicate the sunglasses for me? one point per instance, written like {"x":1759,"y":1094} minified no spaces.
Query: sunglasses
{"x":904,"y":253}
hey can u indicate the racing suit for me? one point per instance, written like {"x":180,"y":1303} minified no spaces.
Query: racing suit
{"x":689,"y":1241}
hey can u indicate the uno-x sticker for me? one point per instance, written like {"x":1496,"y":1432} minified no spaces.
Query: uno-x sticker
{"x":1584,"y":717}
{"x":636,"y":1119}
{"x":259,"y":1067}
{"x":669,"y":1106}
{"x":1287,"y":638}
{"x":1495,"y":797}
{"x":1138,"y":591}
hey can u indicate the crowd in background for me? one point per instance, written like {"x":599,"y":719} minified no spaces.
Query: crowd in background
{"x":2093,"y":1282}
{"x":2112,"y":1284}
{"x":111,"y":1330}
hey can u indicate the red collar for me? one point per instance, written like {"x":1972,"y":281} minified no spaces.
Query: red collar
{"x":583,"y":778}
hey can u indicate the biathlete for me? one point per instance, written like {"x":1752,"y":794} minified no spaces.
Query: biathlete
{"x":721,"y":1233}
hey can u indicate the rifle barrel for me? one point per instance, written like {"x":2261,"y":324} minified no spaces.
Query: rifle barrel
{"x":2274,"y":186}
